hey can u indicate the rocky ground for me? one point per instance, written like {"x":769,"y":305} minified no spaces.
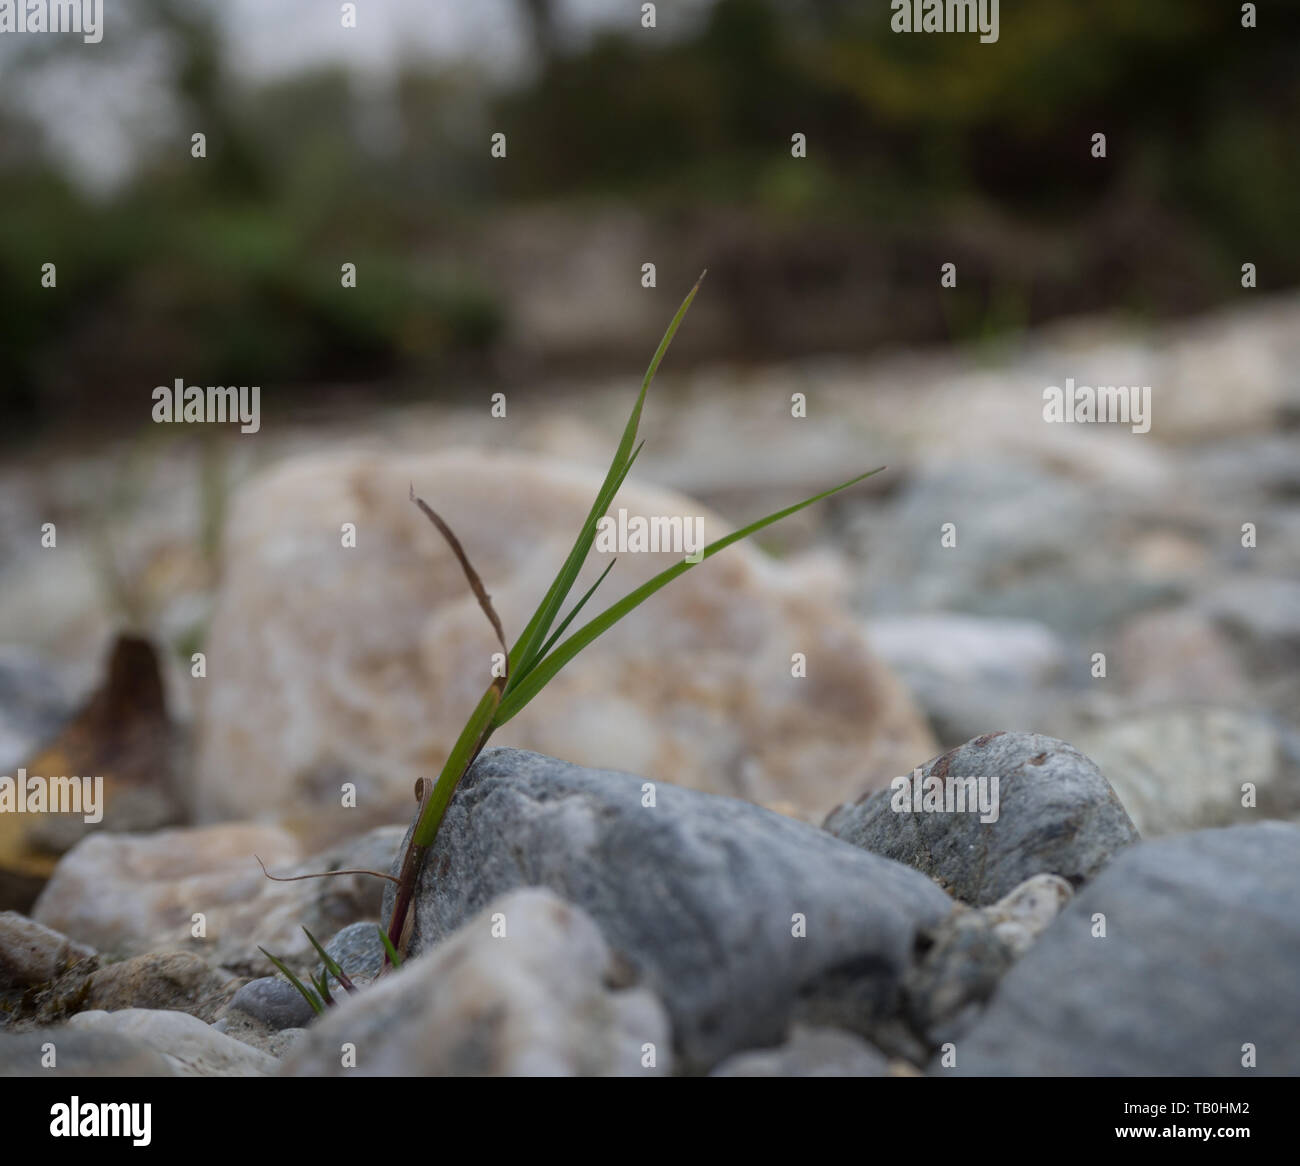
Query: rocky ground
{"x":751,"y":904}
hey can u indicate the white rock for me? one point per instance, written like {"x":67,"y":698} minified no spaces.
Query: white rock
{"x":1184,"y":768}
{"x":192,"y":1048}
{"x":535,"y":1001}
{"x":329,"y":663}
{"x":130,"y":893}
{"x":968,"y":649}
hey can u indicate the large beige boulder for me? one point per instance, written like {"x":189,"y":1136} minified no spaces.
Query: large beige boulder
{"x":329,"y":663}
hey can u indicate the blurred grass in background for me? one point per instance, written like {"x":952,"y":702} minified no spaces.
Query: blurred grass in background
{"x":640,"y":146}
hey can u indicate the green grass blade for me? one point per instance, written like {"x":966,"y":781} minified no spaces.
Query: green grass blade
{"x":545,"y":669}
{"x":317,"y":1006}
{"x":325,"y":958}
{"x":331,"y":967}
{"x":393,"y":957}
{"x":577,"y":607}
{"x":526,"y":650}
{"x":466,"y":748}
{"x":322,"y":985}
{"x":563,"y":582}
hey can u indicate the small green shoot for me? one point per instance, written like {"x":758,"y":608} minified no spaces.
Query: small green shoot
{"x":316,"y":1001}
{"x":392,"y":955}
{"x":540,"y":653}
{"x":331,"y":966}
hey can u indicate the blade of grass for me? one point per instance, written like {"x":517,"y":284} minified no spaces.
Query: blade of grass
{"x":322,"y":985}
{"x":542,"y":673}
{"x":561,"y":585}
{"x":307,"y":994}
{"x":526,"y":653}
{"x":462,"y":754}
{"x":331,"y":965}
{"x":393,"y":957}
{"x":577,"y":607}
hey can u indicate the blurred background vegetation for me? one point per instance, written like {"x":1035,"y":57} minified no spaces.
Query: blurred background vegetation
{"x":628,"y":146}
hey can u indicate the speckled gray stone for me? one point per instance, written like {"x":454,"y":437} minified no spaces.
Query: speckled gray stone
{"x":1057,"y":815}
{"x":358,"y":950}
{"x":273,"y":1001}
{"x":705,"y":896}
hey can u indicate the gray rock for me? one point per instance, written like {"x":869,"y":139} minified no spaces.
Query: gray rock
{"x":78,"y":1054}
{"x":810,"y":1052}
{"x":964,"y":958}
{"x":1262,"y":616}
{"x":967,"y":649}
{"x":273,"y":1002}
{"x":1199,"y":959}
{"x":968,"y":671}
{"x":31,"y":954}
{"x":1262,"y":609}
{"x":528,"y":987}
{"x":1184,"y":768}
{"x":1056,"y":814}
{"x":1025,"y":542}
{"x":1176,"y":657}
{"x":358,"y":950}
{"x":704,"y":895}
{"x":192,"y":1048}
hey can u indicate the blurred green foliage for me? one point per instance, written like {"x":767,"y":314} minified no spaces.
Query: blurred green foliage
{"x":921,"y":148}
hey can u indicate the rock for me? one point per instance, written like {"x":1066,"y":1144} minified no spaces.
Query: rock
{"x":966,"y":670}
{"x":76,"y":1053}
{"x":1023,"y":915}
{"x":810,"y":1052}
{"x":963,"y":958}
{"x":1180,"y":769}
{"x":31,"y":954}
{"x":1177,"y":657}
{"x":1025,"y":548}
{"x":1263,"y":613}
{"x":190,"y":1047}
{"x":1199,"y":957}
{"x":133,"y":894}
{"x":367,"y":662}
{"x":1056,"y":814}
{"x":705,"y":896}
{"x":358,"y":950}
{"x":966,"y":649}
{"x":544,"y":998}
{"x":275,"y":1042}
{"x":176,"y":980}
{"x":272,"y":1002}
